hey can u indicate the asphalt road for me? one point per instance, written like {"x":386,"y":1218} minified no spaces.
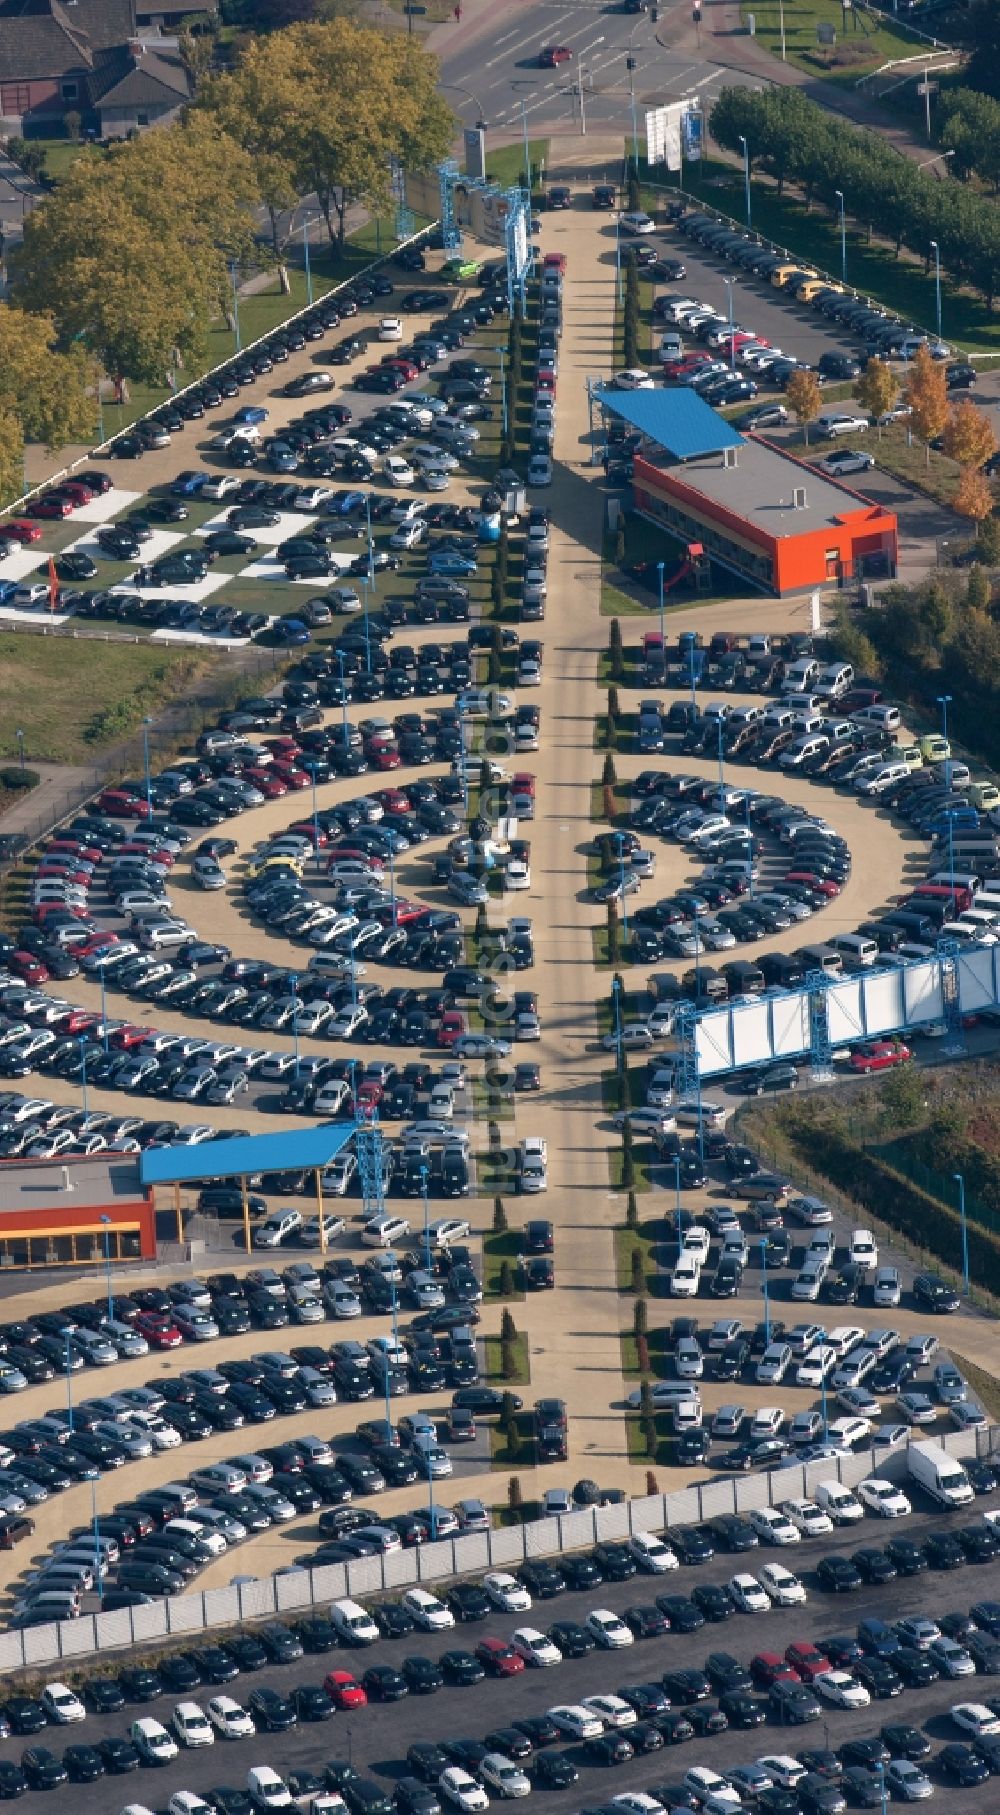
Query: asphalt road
{"x":375,"y":1739}
{"x":501,"y":75}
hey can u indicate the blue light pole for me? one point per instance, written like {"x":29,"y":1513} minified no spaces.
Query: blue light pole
{"x":104,"y":1006}
{"x":944,"y":701}
{"x":839,"y":193}
{"x":659,"y":576}
{"x":960,"y":1182}
{"x":341,"y":658}
{"x":294,"y":981}
{"x":677,"y":1199}
{"x":106,"y":1226}
{"x":83,"y":1075}
{"x":616,"y":991}
{"x":767,"y":1304}
{"x":67,"y":1332}
{"x":427,"y":1227}
{"x":620,"y":838}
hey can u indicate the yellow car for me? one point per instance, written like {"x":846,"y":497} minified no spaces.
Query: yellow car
{"x":934,"y":748}
{"x":909,"y":754}
{"x":260,"y":866}
{"x":984,"y":795}
{"x":813,"y":286}
{"x":781,"y":274}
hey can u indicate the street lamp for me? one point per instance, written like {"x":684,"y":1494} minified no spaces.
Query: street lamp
{"x":106,"y":1226}
{"x":839,"y":193}
{"x":746,"y":174}
{"x":620,"y":837}
{"x":767,"y":1307}
{"x":935,"y":248}
{"x":944,"y":701}
{"x":145,"y":760}
{"x":960,"y":1182}
{"x":659,"y":576}
{"x":502,"y":350}
{"x":293,"y":980}
{"x":941,"y":157}
{"x":83,"y":1075}
{"x":729,"y":283}
{"x":20,"y":745}
{"x":427,"y":1228}
{"x":236,"y":307}
{"x":307,"y":221}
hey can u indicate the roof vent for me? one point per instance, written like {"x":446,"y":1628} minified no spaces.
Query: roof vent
{"x":729,"y":456}
{"x":799,"y":498}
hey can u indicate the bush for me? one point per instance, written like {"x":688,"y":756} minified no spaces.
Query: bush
{"x":632,"y":1212}
{"x":609,"y":774}
{"x":642,"y":1353}
{"x":508,"y":1328}
{"x":637,"y":1283}
{"x":651,"y":1482}
{"x":19,"y":781}
{"x":500,"y":1224}
{"x":506,"y":1281}
{"x":515,"y":1497}
{"x":640,"y":1316}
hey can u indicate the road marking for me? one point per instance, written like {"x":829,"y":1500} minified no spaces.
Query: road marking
{"x":531,"y":38}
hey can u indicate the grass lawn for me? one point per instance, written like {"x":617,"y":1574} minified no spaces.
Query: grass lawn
{"x":642,"y":1155}
{"x":627,"y":1241}
{"x":611,"y":1094}
{"x":937,"y":476}
{"x":50,"y":687}
{"x":505,"y":163}
{"x":518,"y":1452}
{"x":496,"y":1250}
{"x":902,"y":283}
{"x":659,"y":1350}
{"x":860,"y":43}
{"x":59,"y":155}
{"x":986,"y":1387}
{"x":521,"y":1375}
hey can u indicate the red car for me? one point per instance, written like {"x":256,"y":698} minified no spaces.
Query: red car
{"x":29,"y":968}
{"x":806,"y":1660}
{"x":554,"y":54}
{"x":768,"y":1667}
{"x":271,"y":786}
{"x":822,"y":884}
{"x":51,"y":507}
{"x":283,"y":749}
{"x":879,"y":1055}
{"x":76,"y":491}
{"x":369,"y":1095}
{"x":386,"y":758}
{"x":344,"y":1689}
{"x":78,"y":1020}
{"x":128,"y":1036}
{"x":71,"y":847}
{"x":292,"y":778}
{"x":305,"y":828}
{"x":499,"y":1658}
{"x":21,"y":531}
{"x":158,"y":1330}
{"x":394,"y":800}
{"x":451,"y":1027}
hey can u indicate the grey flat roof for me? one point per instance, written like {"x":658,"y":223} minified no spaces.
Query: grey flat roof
{"x":759,"y":488}
{"x":41,"y":1184}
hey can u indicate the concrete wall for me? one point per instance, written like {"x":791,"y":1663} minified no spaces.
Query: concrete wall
{"x":470,"y":1554}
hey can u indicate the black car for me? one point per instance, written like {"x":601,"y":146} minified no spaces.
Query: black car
{"x":13,"y":1782}
{"x":874,"y":1565}
{"x":610,"y":1748}
{"x":742,"y":1709}
{"x":178,"y":1673}
{"x":469,"y":1602}
{"x":932,"y":1293}
{"x":725,"y":1672}
{"x":392,"y":1619}
{"x":570,"y":1638}
{"x":692,"y":1544}
{"x":215,"y":1664}
{"x":879,"y":1678}
{"x":714,"y":1601}
{"x":140,"y":1684}
{"x":311,"y":1703}
{"x":793,"y":1703}
{"x":839,"y":1575}
{"x":862,"y":1787}
{"x":944,"y":1551}
{"x":42,"y":1769}
{"x":461,"y":1668}
{"x":686,"y":1686}
{"x":426,"y":1760}
{"x":384,"y":1684}
{"x":905,"y":1741}
{"x":84,"y":1764}
{"x":907,"y":1556}
{"x":24,"y":1714}
{"x":415,"y":1798}
{"x":422,"y":1675}
{"x":104,"y":1693}
{"x":958,"y":1764}
{"x":615,"y":1562}
{"x":915,"y":1667}
{"x":581,"y":1572}
{"x":271,"y":1712}
{"x":542,"y":1580}
{"x":682,"y":1613}
{"x":646,"y":1622}
{"x":553,"y":1771}
{"x":247,"y":1650}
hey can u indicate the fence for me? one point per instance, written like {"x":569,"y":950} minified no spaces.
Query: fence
{"x":301,"y":1590}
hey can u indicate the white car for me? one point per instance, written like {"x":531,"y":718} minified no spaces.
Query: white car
{"x":685,"y":1278}
{"x":428,"y":1612}
{"x":863,"y":1250}
{"x":578,"y":1722}
{"x":635,"y":378}
{"x":637,"y":222}
{"x":708,"y":1787}
{"x":975,"y":1718}
{"x":951,"y":1658}
{"x":637,"y":1802}
{"x":507,"y":1593}
{"x":535,"y":1648}
{"x":782,"y":1769}
{"x":651,"y":1554}
{"x":462,"y":1791}
{"x":838,"y":1687}
{"x":192,"y":1725}
{"x":772,"y":1526}
{"x":229,"y":1719}
{"x":748,"y":1594}
{"x":883,"y":1498}
{"x":390,"y":328}
{"x":606,"y":1628}
{"x":504,"y":1776}
{"x":397,"y":470}
{"x":697,"y":1241}
{"x":784,"y":1589}
{"x":186,"y":1802}
{"x":539,"y":470}
{"x":808,"y":1518}
{"x":61,"y":1705}
{"x":153,"y":1742}
{"x":613,"y":1710}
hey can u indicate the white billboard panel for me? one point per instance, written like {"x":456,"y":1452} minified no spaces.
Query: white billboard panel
{"x":844,"y":1012}
{"x":976,"y":979}
{"x":520,"y":233}
{"x":656,"y":126}
{"x":712,"y":1044}
{"x":790,"y":1025}
{"x":922,"y":991}
{"x":883,"y":1002}
{"x":751,"y":1035}
{"x":672,"y":140}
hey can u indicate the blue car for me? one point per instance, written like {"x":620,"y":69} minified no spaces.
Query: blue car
{"x":344,"y":502}
{"x":7,"y":587}
{"x":445,"y":562}
{"x":251,"y":413}
{"x":189,"y":484}
{"x":291,"y":632}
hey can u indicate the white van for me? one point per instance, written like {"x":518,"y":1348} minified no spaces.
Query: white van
{"x":857,"y":952}
{"x":803,"y":749}
{"x":777,"y":718}
{"x":352,"y":1624}
{"x":879,"y":781}
{"x":881,"y":718}
{"x":671,"y":346}
{"x":800,"y":676}
{"x":835,"y":680}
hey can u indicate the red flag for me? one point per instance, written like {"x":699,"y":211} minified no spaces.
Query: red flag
{"x":53,"y":585}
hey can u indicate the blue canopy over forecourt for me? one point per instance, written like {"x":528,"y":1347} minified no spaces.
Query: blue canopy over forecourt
{"x":294,"y":1150}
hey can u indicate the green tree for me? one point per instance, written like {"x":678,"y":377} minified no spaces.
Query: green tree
{"x":804,"y":399}
{"x":978,"y":592}
{"x":46,"y":394}
{"x":277,"y":104}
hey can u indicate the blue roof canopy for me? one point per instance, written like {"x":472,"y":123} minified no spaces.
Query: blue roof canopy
{"x":297,"y":1149}
{"x":677,"y":419}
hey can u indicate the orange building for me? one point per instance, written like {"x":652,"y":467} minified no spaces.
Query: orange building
{"x":75,"y":1212}
{"x":775,"y":522}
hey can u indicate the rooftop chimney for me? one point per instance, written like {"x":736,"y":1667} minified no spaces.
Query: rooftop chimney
{"x":135,"y":50}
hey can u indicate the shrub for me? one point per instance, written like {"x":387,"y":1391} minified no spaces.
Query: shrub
{"x":500,"y":1224}
{"x":651,"y":1482}
{"x":609,"y":774}
{"x":642,"y":1353}
{"x":632,"y":1212}
{"x":508,"y":1328}
{"x":19,"y":781}
{"x":640,"y":1316}
{"x":506,"y":1281}
{"x":638,"y":1280}
{"x":515,"y":1497}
